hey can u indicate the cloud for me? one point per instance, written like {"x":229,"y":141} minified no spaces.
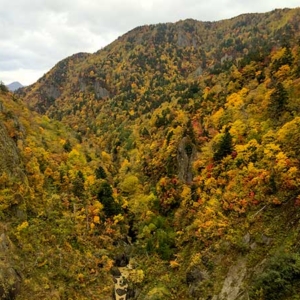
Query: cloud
{"x":37,"y":34}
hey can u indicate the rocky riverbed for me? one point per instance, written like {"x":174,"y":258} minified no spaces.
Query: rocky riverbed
{"x":121,"y":283}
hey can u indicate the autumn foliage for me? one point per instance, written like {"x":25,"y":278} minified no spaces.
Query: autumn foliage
{"x":104,"y":155}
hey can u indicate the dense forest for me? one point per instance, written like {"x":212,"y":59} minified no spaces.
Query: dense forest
{"x":170,"y":157}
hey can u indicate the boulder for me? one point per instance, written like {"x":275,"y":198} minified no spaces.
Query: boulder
{"x":194,"y":279}
{"x":233,"y":283}
{"x":121,"y":260}
{"x":194,"y":275}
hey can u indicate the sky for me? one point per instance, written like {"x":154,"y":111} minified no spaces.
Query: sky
{"x":36,"y":34}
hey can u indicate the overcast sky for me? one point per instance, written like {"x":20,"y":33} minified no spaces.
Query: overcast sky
{"x":36,"y":34}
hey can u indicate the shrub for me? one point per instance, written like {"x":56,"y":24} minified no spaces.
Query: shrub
{"x":278,"y":280}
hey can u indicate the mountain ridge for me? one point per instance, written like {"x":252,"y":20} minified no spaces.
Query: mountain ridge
{"x":135,"y":37}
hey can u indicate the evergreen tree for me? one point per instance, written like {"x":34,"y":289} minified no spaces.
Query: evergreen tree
{"x":278,"y":101}
{"x":105,"y":196}
{"x":78,"y":185}
{"x":224,"y":147}
{"x":100,"y":173}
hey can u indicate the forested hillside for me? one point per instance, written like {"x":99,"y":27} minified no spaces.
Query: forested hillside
{"x":174,"y":151}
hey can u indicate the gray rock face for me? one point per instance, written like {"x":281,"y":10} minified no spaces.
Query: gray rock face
{"x":266,"y":240}
{"x":182,"y":40}
{"x":99,"y":90}
{"x":185,"y":156}
{"x":247,"y":238}
{"x":9,"y":156}
{"x":233,"y":283}
{"x":9,"y":279}
{"x":199,"y":71}
{"x":52,"y":92}
{"x":194,"y":279}
{"x":194,"y":275}
{"x":47,"y":96}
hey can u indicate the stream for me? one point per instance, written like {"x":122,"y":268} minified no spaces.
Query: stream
{"x":121,"y":285}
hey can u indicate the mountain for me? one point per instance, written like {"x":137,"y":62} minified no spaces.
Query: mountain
{"x":184,"y":49}
{"x":14,"y":86}
{"x":174,"y":150}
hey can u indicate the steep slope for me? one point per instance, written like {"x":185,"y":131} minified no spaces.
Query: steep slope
{"x":51,"y":238}
{"x":51,"y":85}
{"x":196,"y":128}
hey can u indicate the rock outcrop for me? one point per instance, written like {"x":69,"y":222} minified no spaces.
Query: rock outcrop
{"x":9,"y":155}
{"x":233,"y":284}
{"x":10,"y":280}
{"x":185,"y":156}
{"x":194,"y":278}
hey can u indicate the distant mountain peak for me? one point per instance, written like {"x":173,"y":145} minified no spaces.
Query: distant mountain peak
{"x":14,"y":86}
